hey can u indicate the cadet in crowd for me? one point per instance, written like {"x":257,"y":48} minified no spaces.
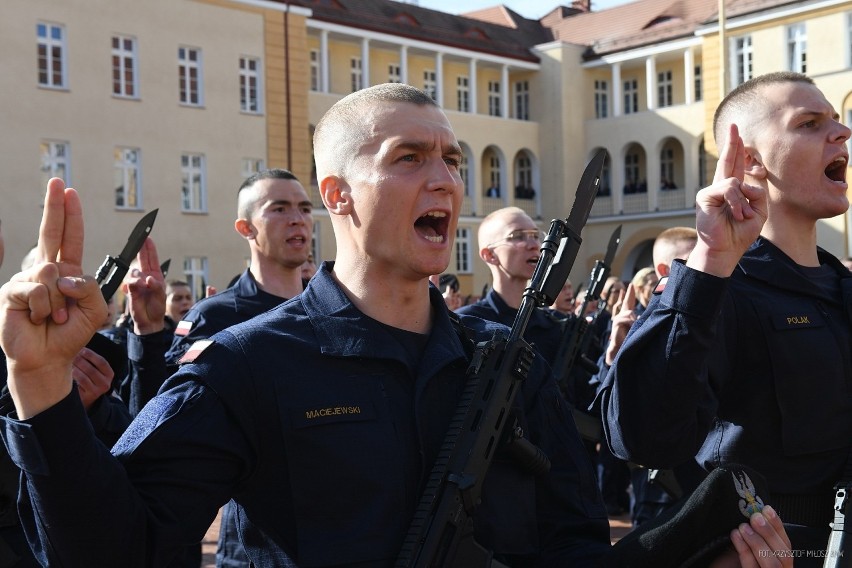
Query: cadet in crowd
{"x":743,"y":355}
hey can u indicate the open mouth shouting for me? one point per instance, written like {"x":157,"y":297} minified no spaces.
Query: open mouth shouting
{"x":836,"y":170}
{"x":433,"y":226}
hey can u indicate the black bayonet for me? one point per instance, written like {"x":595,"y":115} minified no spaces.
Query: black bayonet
{"x":569,"y":243}
{"x":164,"y":268}
{"x":113,"y":269}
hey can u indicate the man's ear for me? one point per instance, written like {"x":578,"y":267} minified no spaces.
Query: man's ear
{"x":663,"y":269}
{"x":488,"y":256}
{"x":336,"y":195}
{"x":754,"y":164}
{"x":245,"y":228}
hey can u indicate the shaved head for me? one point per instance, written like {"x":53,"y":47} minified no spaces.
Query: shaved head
{"x":493,"y":227}
{"x":341,"y":131}
{"x":745,"y":106}
{"x":247,"y":196}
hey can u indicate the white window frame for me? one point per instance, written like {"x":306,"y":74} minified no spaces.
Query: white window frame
{"x":742,"y":60}
{"x":522,"y":100}
{"x":251,"y":85}
{"x":631,"y":168}
{"x":667,"y":164}
{"x":430,"y":83}
{"x":494,"y":173}
{"x":55,"y":158}
{"x":631,"y":96}
{"x":494,"y":98}
{"x":124,"y":67}
{"x":355,"y":74}
{"x":463,"y":93}
{"x":601,"y":98}
{"x":250,"y":166}
{"x":315,"y":70}
{"x":464,"y":250}
{"x":797,"y":48}
{"x":523,"y":169}
{"x":55,"y":50}
{"x":394,"y":73}
{"x":127,"y":180}
{"x":665,"y":96}
{"x":190,"y":71}
{"x":193,"y":183}
{"x":196,"y":273}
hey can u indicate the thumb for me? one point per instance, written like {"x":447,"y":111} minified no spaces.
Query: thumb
{"x":630,"y":298}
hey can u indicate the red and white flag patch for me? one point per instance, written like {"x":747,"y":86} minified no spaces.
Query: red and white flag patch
{"x":195,"y":350}
{"x":183,"y":327}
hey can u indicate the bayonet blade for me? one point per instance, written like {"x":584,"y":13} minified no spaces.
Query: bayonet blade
{"x":164,"y":268}
{"x":614,"y":239}
{"x":137,"y":237}
{"x":587,"y":189}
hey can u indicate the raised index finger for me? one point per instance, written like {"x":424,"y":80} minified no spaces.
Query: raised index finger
{"x":149,"y":260}
{"x":732,"y":158}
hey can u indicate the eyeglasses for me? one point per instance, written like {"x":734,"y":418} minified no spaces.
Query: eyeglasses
{"x":521,"y":236}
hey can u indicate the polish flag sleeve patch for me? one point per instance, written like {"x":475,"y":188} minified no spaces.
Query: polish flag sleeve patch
{"x":183,"y":327}
{"x":195,"y":350}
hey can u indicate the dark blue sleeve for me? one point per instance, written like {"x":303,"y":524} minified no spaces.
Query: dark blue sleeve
{"x":657,"y":404}
{"x":173,"y":468}
{"x":147,"y":368}
{"x":109,"y":417}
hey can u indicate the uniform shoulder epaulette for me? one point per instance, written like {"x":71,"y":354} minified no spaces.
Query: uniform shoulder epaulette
{"x":195,"y":350}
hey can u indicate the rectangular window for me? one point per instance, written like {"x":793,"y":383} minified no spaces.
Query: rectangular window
{"x":51,"y":55}
{"x":631,"y":96}
{"x":494,"y":174}
{"x":196,"y":274}
{"x":699,"y":86}
{"x":741,"y":66}
{"x":797,"y":48}
{"x":522,"y":100}
{"x":394,"y":73}
{"x":355,"y":77}
{"x":494,"y":98}
{"x":126,"y":178}
{"x":250,"y":85}
{"x":193,"y":183}
{"x":190,"y":76}
{"x":664,"y":89}
{"x":55,"y":161}
{"x":316,"y":233}
{"x":601,"y":99}
{"x":124,"y":66}
{"x":315,"y":70}
{"x":430,"y":84}
{"x":524,"y":188}
{"x":464,"y":174}
{"x":251,"y":166}
{"x":463,"y":250}
{"x":463,"y":93}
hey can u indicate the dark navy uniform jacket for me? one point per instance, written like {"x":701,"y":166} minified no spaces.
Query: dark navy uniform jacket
{"x":149,"y":368}
{"x":753,"y":369}
{"x":543,"y":331}
{"x":310,"y":418}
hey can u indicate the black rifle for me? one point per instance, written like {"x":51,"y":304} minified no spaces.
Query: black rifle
{"x":441,"y":533}
{"x":835,"y":554}
{"x":575,"y":342}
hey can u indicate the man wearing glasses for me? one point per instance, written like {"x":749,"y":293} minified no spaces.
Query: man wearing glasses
{"x":509,"y":243}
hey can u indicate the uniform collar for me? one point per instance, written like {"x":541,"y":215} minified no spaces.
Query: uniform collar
{"x":766,"y":262}
{"x":344,"y":331}
{"x":247,"y":295}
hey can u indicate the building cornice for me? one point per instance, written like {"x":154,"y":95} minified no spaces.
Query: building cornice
{"x":747,"y":20}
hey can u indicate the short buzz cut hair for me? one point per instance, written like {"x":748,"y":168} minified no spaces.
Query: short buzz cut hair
{"x":340,"y":131}
{"x":245,"y":207}
{"x":745,"y":97}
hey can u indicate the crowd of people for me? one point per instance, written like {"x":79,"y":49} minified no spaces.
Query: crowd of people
{"x":310,"y":403}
